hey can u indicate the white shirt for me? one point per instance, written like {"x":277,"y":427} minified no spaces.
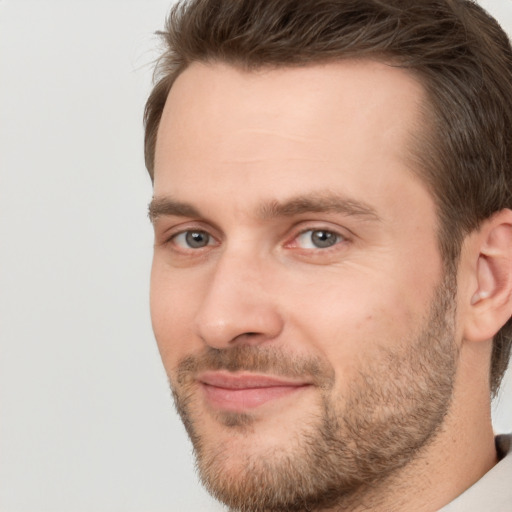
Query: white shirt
{"x":493,"y":492}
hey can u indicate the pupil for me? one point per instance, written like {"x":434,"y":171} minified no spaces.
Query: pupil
{"x":197,"y":239}
{"x":323,"y":239}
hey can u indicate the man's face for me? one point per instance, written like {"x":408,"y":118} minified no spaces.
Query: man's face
{"x":298,"y":296}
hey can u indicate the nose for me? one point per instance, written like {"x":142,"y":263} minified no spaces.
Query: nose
{"x":239,"y":306}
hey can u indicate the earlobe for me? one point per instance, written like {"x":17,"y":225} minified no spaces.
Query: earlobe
{"x":491,"y":299}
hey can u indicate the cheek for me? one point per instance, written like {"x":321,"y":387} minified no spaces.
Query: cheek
{"x":348,"y":319}
{"x":172,"y":307}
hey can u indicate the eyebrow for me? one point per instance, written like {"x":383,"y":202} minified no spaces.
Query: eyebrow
{"x":166,"y":206}
{"x":318,"y":203}
{"x":299,"y":205}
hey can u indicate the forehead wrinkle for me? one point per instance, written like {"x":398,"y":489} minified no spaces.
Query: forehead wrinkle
{"x":318,"y":203}
{"x":275,"y":133}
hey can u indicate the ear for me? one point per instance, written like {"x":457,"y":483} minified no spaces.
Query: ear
{"x":490,"y":293}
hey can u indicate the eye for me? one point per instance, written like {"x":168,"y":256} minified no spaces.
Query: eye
{"x":318,"y":239}
{"x":193,"y":239}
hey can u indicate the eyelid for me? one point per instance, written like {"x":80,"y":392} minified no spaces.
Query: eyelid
{"x":183,"y":246}
{"x":168,"y":234}
{"x":343,"y":233}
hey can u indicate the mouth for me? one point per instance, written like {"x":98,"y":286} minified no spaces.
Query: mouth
{"x":238,"y":392}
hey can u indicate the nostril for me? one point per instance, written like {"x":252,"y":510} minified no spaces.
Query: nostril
{"x":247,"y":336}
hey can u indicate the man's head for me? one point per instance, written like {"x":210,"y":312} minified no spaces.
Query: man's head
{"x":325,"y":174}
{"x":461,"y":56}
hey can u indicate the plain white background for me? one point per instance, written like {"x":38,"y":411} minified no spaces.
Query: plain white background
{"x":86,"y":421}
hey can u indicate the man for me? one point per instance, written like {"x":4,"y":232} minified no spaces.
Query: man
{"x":332,"y":287}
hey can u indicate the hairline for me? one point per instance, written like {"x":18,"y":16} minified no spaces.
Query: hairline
{"x":422,"y":132}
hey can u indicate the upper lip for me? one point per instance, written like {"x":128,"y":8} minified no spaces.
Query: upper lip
{"x":245,"y":380}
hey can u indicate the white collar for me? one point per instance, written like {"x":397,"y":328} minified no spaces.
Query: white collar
{"x":493,"y":492}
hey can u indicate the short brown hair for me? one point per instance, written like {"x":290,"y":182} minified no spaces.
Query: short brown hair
{"x":459,"y":52}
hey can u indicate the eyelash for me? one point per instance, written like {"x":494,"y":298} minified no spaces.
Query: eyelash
{"x":293,"y":242}
{"x":338,"y":238}
{"x":174,"y":237}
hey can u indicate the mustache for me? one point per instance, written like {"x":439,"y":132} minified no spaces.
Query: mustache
{"x":257,"y":359}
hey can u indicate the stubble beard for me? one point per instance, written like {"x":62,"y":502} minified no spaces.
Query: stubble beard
{"x":392,"y":410}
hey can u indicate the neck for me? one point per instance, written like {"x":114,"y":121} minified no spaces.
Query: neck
{"x":443,"y":470}
{"x":456,"y":458}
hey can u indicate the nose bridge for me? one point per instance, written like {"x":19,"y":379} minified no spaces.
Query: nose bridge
{"x":238,"y":306}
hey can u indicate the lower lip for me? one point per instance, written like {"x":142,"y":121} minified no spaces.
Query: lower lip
{"x":238,"y":400}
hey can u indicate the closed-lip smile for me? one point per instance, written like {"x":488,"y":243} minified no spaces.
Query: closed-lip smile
{"x":241,"y":391}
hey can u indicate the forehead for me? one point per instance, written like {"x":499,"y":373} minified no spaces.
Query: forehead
{"x":224,"y":123}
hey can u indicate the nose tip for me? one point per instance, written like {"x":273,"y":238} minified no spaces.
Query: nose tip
{"x":221,"y":325}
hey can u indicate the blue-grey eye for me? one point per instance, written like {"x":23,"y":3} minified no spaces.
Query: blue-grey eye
{"x":193,"y":239}
{"x":317,"y":239}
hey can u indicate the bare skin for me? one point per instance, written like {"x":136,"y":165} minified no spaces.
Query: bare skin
{"x":288,"y":221}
